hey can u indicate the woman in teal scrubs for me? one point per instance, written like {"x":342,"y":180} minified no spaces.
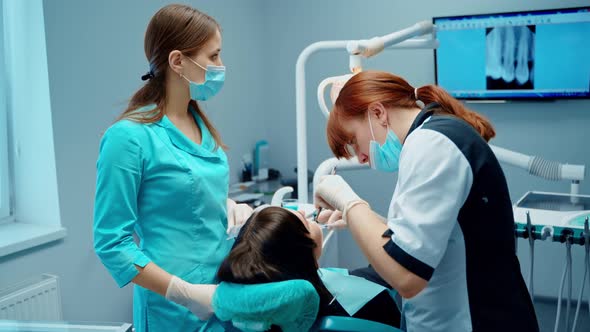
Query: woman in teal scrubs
{"x":162,"y":174}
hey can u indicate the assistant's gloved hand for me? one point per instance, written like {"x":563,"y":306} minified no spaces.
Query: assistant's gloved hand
{"x":334,"y":193}
{"x":237,"y":214}
{"x":196,"y":297}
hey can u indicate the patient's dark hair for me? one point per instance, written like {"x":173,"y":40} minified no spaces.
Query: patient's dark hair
{"x":273,"y":245}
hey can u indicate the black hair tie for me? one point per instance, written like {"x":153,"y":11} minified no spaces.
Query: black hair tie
{"x":148,"y":76}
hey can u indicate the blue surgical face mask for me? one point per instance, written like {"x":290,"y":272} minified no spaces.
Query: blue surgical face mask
{"x":384,"y":157}
{"x":214,"y":79}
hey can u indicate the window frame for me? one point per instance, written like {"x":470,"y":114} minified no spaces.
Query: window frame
{"x":5,"y":193}
{"x":31,"y":227}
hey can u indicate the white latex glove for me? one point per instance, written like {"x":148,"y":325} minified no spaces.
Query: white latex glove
{"x":197,"y":298}
{"x":332,"y":219}
{"x":237,"y":214}
{"x":334,"y":193}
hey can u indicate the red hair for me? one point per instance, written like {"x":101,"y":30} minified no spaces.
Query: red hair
{"x":390,"y":90}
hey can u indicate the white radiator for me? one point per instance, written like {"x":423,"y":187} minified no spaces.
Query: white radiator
{"x":33,"y":299}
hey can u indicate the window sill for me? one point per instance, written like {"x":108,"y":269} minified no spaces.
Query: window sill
{"x":17,"y":236}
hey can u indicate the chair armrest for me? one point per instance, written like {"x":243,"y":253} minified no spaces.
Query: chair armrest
{"x":344,"y":324}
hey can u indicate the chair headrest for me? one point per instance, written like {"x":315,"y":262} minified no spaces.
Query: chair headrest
{"x":293,"y":305}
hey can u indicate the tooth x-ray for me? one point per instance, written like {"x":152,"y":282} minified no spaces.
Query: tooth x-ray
{"x":523,"y":55}
{"x":510,"y":57}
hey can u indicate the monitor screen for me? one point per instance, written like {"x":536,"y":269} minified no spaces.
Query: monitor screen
{"x":524,"y":55}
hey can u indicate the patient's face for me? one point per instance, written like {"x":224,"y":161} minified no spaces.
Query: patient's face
{"x":315,"y":232}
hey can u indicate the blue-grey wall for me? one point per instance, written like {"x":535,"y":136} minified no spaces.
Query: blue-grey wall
{"x":554,"y":130}
{"x":95,"y":55}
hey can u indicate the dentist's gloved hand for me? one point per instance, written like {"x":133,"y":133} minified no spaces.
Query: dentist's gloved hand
{"x":237,"y":214}
{"x":196,"y":297}
{"x":332,"y":219}
{"x":334,"y":193}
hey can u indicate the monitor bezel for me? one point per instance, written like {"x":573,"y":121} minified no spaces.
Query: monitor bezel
{"x":510,"y":98}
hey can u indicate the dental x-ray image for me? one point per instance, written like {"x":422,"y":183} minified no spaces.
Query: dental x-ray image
{"x":510,"y":57}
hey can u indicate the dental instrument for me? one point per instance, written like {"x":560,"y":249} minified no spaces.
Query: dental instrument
{"x":331,"y":232}
{"x":332,"y":172}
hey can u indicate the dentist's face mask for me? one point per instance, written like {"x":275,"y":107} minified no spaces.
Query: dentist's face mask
{"x":384,"y":157}
{"x":214,"y":79}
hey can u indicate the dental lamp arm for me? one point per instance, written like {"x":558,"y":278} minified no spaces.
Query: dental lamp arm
{"x":355,"y":57}
{"x":373,"y":46}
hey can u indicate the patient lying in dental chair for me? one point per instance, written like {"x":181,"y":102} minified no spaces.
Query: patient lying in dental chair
{"x":278,"y":244}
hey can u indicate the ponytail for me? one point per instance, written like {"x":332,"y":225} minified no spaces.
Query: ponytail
{"x":153,"y":92}
{"x":449,"y":105}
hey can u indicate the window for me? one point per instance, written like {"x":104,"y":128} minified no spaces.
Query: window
{"x":29,"y":200}
{"x":4,"y":180}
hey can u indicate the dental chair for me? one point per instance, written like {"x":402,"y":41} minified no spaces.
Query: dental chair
{"x":349,"y":324}
{"x":292,"y":305}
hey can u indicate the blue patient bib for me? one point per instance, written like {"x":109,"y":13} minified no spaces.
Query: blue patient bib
{"x":351,"y":292}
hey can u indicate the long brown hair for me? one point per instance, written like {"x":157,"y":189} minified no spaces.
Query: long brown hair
{"x":273,"y":245}
{"x":367,"y":87}
{"x":173,"y":27}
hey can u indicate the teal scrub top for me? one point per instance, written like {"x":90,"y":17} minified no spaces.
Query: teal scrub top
{"x":171,"y":192}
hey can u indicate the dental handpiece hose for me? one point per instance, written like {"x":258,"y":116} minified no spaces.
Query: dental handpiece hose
{"x":569,"y":285}
{"x":586,"y":271}
{"x":529,"y":227}
{"x":566,"y":273}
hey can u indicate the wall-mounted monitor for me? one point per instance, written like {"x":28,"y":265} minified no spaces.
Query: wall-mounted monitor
{"x":541,"y":54}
